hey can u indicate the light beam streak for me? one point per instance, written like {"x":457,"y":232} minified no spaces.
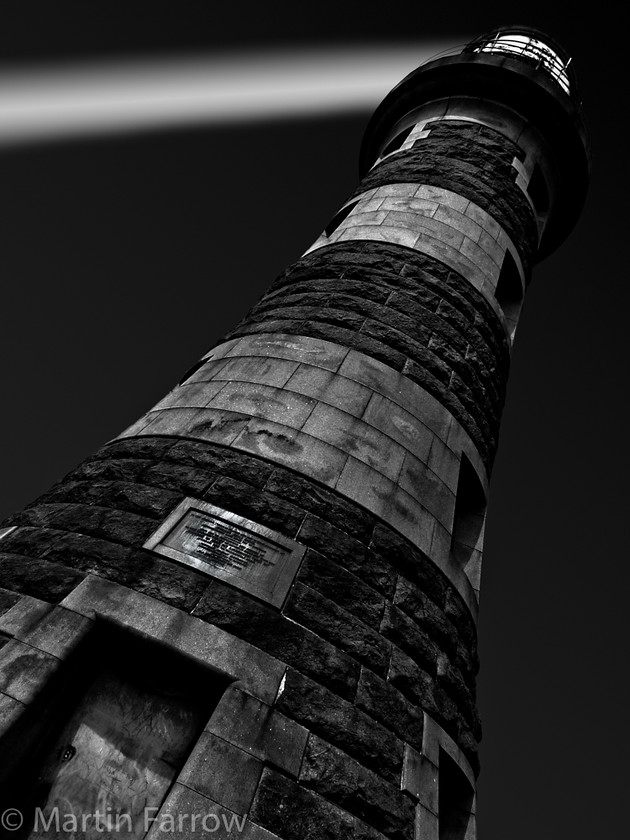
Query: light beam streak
{"x":104,"y":98}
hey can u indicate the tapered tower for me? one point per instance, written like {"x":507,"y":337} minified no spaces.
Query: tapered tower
{"x":254,"y":612}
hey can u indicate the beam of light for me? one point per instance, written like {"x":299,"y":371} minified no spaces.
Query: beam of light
{"x":40,"y":105}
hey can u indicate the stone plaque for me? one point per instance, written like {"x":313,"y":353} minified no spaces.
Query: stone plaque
{"x":230,"y":547}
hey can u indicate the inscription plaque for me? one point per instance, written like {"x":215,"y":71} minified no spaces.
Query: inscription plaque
{"x":230,"y":547}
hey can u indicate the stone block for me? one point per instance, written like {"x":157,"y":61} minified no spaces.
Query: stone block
{"x":340,"y":779}
{"x":367,"y":486}
{"x":279,"y":637}
{"x":420,"y":779}
{"x":252,"y":503}
{"x":341,"y":723}
{"x":459,"y":221}
{"x":399,"y":424}
{"x":414,"y":682}
{"x":295,"y":813}
{"x":443,"y":197}
{"x":430,"y":618}
{"x":427,"y":488}
{"x":329,"y":621}
{"x":408,"y":637}
{"x":411,"y":562}
{"x":388,"y":706}
{"x":325,"y":504}
{"x":349,"y":553}
{"x":217,"y":460}
{"x":187,"y":815}
{"x":195,"y":393}
{"x":427,"y":824}
{"x":57,"y":633}
{"x":11,"y":710}
{"x":29,"y":576}
{"x":7,"y":600}
{"x":323,"y":354}
{"x":344,"y":588}
{"x":263,"y":370}
{"x":255,"y":727}
{"x":356,"y":437}
{"x":330,"y":388}
{"x":24,"y":671}
{"x":180,"y":478}
{"x":24,"y":615}
{"x":258,"y":400}
{"x":222,"y":772}
{"x":318,"y":459}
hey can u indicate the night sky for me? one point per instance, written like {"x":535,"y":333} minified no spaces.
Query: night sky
{"x":125,"y":258}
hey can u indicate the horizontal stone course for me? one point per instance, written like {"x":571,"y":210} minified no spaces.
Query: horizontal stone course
{"x":276,"y":635}
{"x":309,"y":608}
{"x":340,"y":779}
{"x":473,"y":161}
{"x":293,"y":812}
{"x":354,"y":567}
{"x":433,"y":326}
{"x":345,"y":589}
{"x":342,"y":723}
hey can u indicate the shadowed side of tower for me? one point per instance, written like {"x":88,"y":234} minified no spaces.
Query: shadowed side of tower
{"x":258,"y":605}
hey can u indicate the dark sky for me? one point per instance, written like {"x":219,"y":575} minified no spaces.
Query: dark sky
{"x":124,"y":259}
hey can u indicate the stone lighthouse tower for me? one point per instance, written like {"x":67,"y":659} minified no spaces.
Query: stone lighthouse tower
{"x":254,"y":612}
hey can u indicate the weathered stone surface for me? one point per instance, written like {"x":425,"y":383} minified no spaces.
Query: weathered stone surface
{"x":135,"y":498}
{"x":255,"y":727}
{"x":7,"y":600}
{"x":387,"y":705}
{"x":349,"y":553}
{"x":425,"y":693}
{"x":331,"y":622}
{"x":24,"y":671}
{"x":294,"y":813}
{"x":276,"y":635}
{"x":180,"y":478}
{"x":473,"y":161}
{"x":342,"y":780}
{"x":341,"y":723}
{"x":431,"y":344}
{"x":222,"y":772}
{"x":141,"y":570}
{"x":344,"y":588}
{"x":30,"y":576}
{"x":252,"y":503}
{"x":412,"y":600}
{"x":402,"y":632}
{"x":411,"y":562}
{"x":322,"y":502}
{"x":188,"y":815}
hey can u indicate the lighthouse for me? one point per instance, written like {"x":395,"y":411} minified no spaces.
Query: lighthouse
{"x":254,"y":612}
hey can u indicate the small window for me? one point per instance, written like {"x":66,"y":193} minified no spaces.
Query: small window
{"x":470,"y":509}
{"x":338,"y":218}
{"x":538,"y":192}
{"x":396,"y":142}
{"x":455,"y":798}
{"x":509,"y":291}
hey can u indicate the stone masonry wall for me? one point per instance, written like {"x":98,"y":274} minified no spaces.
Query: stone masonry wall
{"x":372,"y":635}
